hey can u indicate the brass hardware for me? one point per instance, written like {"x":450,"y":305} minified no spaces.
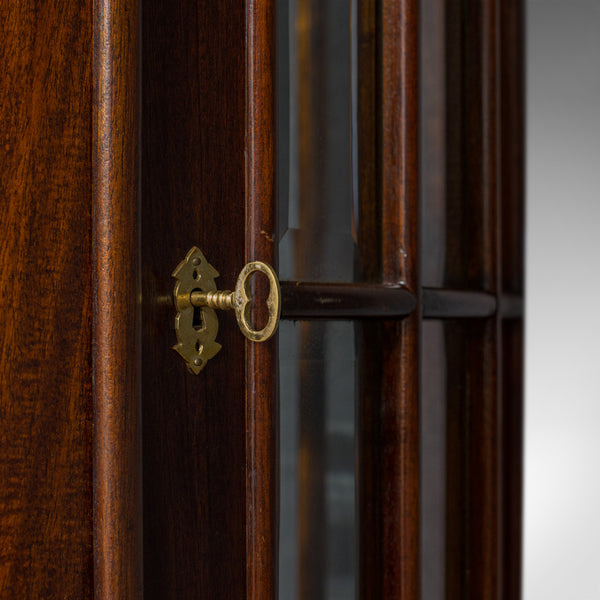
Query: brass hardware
{"x":196,"y":298}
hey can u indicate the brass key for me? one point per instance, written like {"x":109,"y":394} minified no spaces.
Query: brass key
{"x":196,"y":299}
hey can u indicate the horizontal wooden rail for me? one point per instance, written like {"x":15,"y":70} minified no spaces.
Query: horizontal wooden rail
{"x":310,"y":300}
{"x":302,"y":300}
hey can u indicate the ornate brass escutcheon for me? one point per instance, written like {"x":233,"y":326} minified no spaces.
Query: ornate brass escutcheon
{"x":196,"y":298}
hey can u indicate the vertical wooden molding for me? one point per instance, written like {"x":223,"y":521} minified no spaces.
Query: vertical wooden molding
{"x":261,"y":362}
{"x":399,"y":90}
{"x":45,"y":300}
{"x":512,"y":90}
{"x":116,"y":322}
{"x":388,"y":409}
{"x":484,"y":411}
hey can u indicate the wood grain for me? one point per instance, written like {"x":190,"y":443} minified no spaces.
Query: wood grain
{"x":45,"y":300}
{"x":388,"y":464}
{"x":471,"y":146}
{"x":485,"y":410}
{"x":116,"y":317}
{"x":400,"y":207}
{"x":193,"y":193}
{"x":262,"y":379}
{"x":472,"y":501}
{"x":513,"y":213}
{"x":304,"y":300}
{"x":70,"y":426}
{"x":474,"y":464}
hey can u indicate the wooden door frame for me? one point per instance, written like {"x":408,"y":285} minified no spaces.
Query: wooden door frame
{"x":136,"y":132}
{"x":200,"y":154}
{"x":116,"y":275}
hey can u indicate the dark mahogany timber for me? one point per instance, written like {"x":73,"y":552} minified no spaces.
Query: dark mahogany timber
{"x":310,"y":300}
{"x":303,"y":300}
{"x":261,"y":365}
{"x":117,"y":311}
{"x":513,"y":211}
{"x":474,"y":458}
{"x":210,"y":469}
{"x":193,"y":194}
{"x":387,"y":412}
{"x":130,"y":136}
{"x":46,"y":496}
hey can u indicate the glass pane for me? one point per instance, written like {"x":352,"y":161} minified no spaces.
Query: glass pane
{"x":316,"y":243}
{"x":315,"y":140}
{"x":317,"y":447}
{"x":458,"y":485}
{"x":433,"y":147}
{"x":457,"y":208}
{"x":433,"y":461}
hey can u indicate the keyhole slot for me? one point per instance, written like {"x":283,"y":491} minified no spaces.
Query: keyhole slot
{"x":198,"y":319}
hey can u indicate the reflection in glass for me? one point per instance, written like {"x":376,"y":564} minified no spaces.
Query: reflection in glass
{"x":317,"y":359}
{"x":317,"y":495}
{"x":315,"y":140}
{"x":433,"y":142}
{"x":457,"y":207}
{"x":458,"y":485}
{"x":433,"y":460}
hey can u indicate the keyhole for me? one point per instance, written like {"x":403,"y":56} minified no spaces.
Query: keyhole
{"x":198,"y":319}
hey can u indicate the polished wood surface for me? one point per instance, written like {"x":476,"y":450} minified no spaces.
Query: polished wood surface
{"x":482,"y":177}
{"x":312,"y":300}
{"x":388,"y":438}
{"x":116,"y":292}
{"x":513,"y":260}
{"x":108,"y":184}
{"x":471,"y":142}
{"x":208,"y":440}
{"x":399,"y":500}
{"x":305,"y":300}
{"x":46,"y":537}
{"x":473,"y":230}
{"x":261,"y":381}
{"x":473,"y":553}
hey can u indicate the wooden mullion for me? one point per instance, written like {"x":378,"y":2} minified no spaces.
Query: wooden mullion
{"x":262,"y":419}
{"x":483,"y":418}
{"x":473,"y":563}
{"x":117,"y":287}
{"x":512,"y":169}
{"x":368,"y":415}
{"x":388,"y":406}
{"x":400,"y":372}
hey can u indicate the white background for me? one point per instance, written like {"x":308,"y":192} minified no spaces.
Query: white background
{"x":562,"y":443}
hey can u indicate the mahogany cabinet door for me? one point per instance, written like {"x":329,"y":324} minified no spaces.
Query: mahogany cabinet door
{"x":132,"y":135}
{"x":70,"y":444}
{"x":446,"y":234}
{"x":209,"y":441}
